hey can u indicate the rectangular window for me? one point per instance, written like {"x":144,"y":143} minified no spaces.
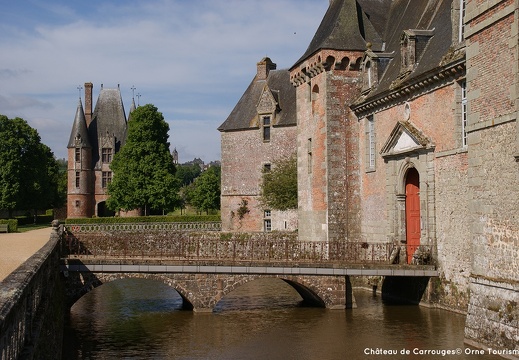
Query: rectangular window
{"x":461,"y":35}
{"x":78,"y":179}
{"x":77,"y":155}
{"x":370,"y":143}
{"x":463,"y":86}
{"x":267,"y":222}
{"x":266,"y":128}
{"x":266,"y":168}
{"x":106,"y":179}
{"x":107,"y":155}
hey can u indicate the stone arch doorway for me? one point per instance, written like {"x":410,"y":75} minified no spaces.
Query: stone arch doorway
{"x":103,"y":211}
{"x":412,"y":212}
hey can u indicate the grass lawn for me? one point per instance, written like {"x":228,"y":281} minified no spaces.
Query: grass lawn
{"x":29,"y":227}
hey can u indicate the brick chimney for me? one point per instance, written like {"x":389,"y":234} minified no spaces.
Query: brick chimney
{"x":264,"y":66}
{"x":88,"y":103}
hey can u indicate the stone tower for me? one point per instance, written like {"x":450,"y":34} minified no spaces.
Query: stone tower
{"x":79,"y":191}
{"x":326,"y":78}
{"x":95,"y":138}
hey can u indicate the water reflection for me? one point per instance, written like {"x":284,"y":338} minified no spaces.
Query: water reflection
{"x":143,"y":319}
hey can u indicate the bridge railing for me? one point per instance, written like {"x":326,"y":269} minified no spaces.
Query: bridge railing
{"x":151,"y":226}
{"x":164,"y":246}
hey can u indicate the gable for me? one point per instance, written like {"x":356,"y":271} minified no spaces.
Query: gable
{"x":267,"y":104}
{"x":405,"y":138}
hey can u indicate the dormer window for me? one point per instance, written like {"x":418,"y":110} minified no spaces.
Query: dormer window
{"x":412,"y":45}
{"x":369,"y":75}
{"x":374,"y":65}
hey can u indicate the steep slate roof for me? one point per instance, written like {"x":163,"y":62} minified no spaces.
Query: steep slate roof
{"x":347,"y":26}
{"x":245,"y":111}
{"x":419,"y":15}
{"x":79,"y":128}
{"x":350,"y":24}
{"x":109,"y":119}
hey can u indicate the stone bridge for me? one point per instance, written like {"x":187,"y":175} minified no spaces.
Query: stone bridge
{"x":205,"y":266}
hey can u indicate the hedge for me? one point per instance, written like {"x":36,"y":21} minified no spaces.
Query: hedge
{"x":40,"y":219}
{"x":11,"y":223}
{"x":144,"y":219}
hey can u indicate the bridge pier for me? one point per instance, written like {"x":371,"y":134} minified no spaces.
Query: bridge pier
{"x":201,"y":292}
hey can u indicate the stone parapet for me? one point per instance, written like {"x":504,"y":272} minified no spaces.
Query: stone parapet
{"x":31,"y":307}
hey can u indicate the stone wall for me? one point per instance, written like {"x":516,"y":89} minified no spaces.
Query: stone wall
{"x":32,"y":307}
{"x":201,"y":292}
{"x":493,"y":102}
{"x":244,"y":155}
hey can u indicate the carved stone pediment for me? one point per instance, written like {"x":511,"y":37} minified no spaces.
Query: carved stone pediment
{"x":405,"y":138}
{"x":267,"y":102}
{"x":107,"y":141}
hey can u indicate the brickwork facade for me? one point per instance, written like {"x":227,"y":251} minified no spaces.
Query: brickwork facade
{"x":327,"y":145}
{"x":244,"y":157}
{"x":94,"y":140}
{"x":422,"y":101}
{"x":250,"y":146}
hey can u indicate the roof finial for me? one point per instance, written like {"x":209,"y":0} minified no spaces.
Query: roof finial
{"x":138,"y":98}
{"x":79,"y":88}
{"x":133,"y":91}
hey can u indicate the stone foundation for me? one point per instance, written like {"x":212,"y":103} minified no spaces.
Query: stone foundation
{"x":493,"y":316}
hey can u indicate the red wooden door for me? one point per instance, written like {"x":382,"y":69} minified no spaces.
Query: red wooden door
{"x":412,"y":212}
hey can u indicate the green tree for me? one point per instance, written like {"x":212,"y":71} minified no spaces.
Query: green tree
{"x":205,"y":191}
{"x":62,"y":182}
{"x":279,"y":187}
{"x":29,"y":171}
{"x":143,"y":170}
{"x":186,"y":174}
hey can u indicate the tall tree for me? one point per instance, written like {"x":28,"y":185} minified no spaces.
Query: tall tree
{"x":29,"y":171}
{"x":187,"y":173}
{"x":279,"y":188}
{"x":205,"y":192}
{"x":143,"y":170}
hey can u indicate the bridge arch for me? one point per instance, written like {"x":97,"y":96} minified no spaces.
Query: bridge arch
{"x":79,"y":284}
{"x":201,"y":292}
{"x":311,"y":295}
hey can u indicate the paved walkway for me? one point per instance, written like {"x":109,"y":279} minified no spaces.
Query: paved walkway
{"x":16,"y":248}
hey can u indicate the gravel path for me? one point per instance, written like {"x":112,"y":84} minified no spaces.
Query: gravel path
{"x":16,"y":248}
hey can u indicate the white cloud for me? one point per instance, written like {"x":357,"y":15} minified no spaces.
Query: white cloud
{"x":193,"y":60}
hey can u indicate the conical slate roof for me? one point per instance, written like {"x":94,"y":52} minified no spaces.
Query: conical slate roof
{"x":346,"y":26}
{"x":79,"y":129}
{"x":109,"y":119}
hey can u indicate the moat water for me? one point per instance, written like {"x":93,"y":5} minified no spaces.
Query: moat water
{"x":142,"y":319}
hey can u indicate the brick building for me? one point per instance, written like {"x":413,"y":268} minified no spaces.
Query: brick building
{"x":260,"y":129}
{"x":407,"y":134}
{"x":95,"y":137}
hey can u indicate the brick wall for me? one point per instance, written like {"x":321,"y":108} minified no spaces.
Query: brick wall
{"x":79,"y":200}
{"x":444,"y":194}
{"x":327,"y":146}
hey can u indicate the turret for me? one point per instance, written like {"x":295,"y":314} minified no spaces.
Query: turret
{"x":79,"y":203}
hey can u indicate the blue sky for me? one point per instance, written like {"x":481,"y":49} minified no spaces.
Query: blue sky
{"x":191,"y":59}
